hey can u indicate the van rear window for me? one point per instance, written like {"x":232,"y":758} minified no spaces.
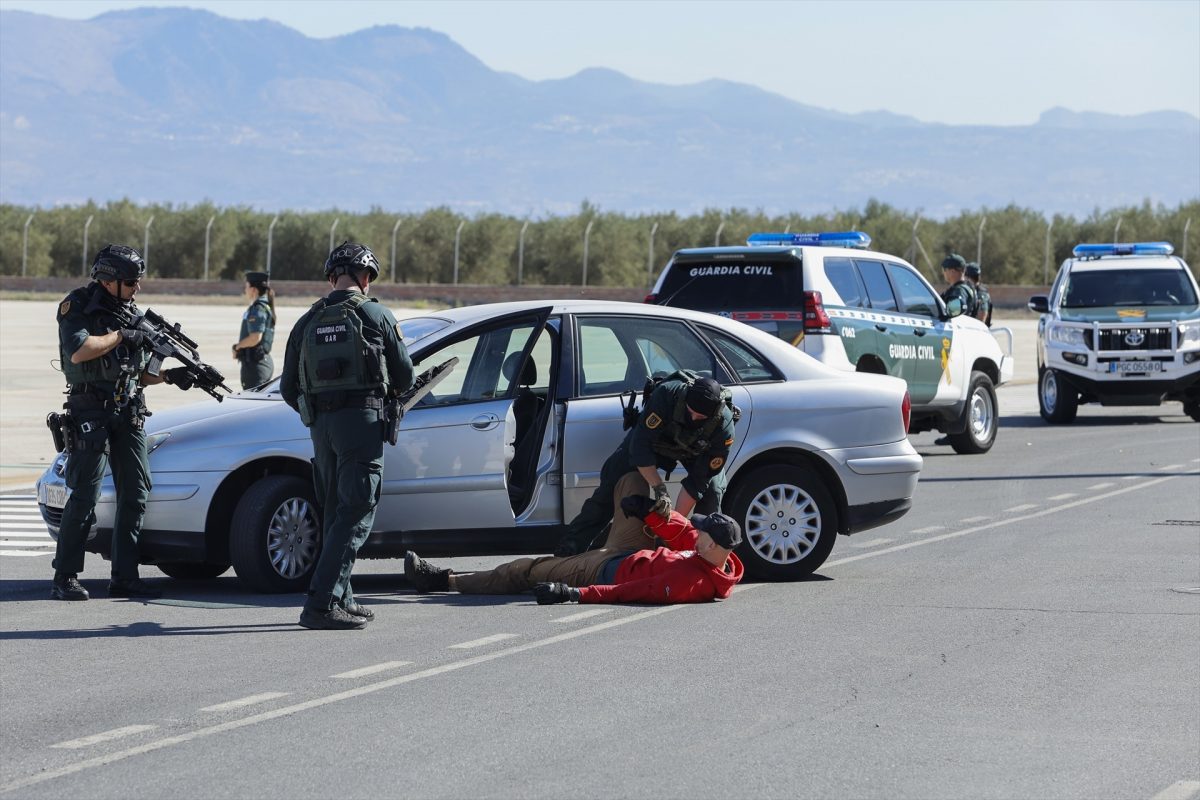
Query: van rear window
{"x":734,"y":285}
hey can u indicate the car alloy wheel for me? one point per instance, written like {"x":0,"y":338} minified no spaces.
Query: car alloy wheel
{"x":293,"y":539}
{"x":783,"y":524}
{"x":788,"y":519}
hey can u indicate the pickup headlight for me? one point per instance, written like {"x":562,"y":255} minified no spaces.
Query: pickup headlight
{"x":1189,"y":333}
{"x":155,"y":441}
{"x":1063,"y":334}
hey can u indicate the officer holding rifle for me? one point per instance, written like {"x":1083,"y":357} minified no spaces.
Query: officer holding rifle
{"x":109,"y":353}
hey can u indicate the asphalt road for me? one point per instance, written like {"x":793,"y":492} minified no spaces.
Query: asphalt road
{"x":1031,"y":629}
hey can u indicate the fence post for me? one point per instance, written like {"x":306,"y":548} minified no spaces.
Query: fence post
{"x":1117,"y":231}
{"x":587,"y":232}
{"x":270,"y":241}
{"x":333,"y":228}
{"x":457,"y":237}
{"x":521,"y":252}
{"x":1046,"y":261}
{"x":979,"y":241}
{"x":650,"y":255}
{"x":1186,"y":225}
{"x":146,"y":240}
{"x":29,"y":219}
{"x":86,"y":225}
{"x":717,"y":238}
{"x":395,"y":228}
{"x":207,"y":235}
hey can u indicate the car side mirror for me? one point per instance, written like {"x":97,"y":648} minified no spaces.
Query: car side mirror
{"x":1039,"y":303}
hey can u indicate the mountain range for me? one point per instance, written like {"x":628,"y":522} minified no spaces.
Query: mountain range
{"x":178,"y":105}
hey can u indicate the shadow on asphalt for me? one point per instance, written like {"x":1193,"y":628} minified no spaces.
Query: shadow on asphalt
{"x":1059,"y":476}
{"x":1092,"y":421}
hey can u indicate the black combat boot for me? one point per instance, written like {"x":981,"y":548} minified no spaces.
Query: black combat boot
{"x":423,"y":576}
{"x":66,"y":587}
{"x":355,"y":609}
{"x":132,"y":587}
{"x":335,"y":619}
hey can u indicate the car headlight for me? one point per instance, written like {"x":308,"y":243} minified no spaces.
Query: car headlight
{"x":155,"y":441}
{"x":1063,"y":334}
{"x":1189,"y":333}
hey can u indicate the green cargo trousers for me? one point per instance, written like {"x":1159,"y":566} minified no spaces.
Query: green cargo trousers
{"x":348,"y":477}
{"x":627,"y":535}
{"x":121,"y":431}
{"x":256,"y":373}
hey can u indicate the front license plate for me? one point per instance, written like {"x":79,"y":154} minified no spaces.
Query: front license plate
{"x":1124,"y":367}
{"x":55,"y":495}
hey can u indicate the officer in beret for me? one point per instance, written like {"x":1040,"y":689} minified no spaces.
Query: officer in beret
{"x":253,"y":347}
{"x":344,"y":357}
{"x":960,"y":297}
{"x":687,"y":422}
{"x":103,"y":364}
{"x":983,"y":298}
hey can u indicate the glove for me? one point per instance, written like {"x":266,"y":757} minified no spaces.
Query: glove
{"x":550,"y":593}
{"x":181,"y":377}
{"x":132,"y":337}
{"x":636,"y":505}
{"x":662,"y":501}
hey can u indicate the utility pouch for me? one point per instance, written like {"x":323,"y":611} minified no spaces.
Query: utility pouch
{"x":306,"y":410}
{"x":629,"y":410}
{"x":329,"y":369}
{"x":60,"y":426}
{"x":393,"y":413}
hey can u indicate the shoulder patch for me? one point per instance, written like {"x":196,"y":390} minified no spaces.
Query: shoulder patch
{"x":64,"y":307}
{"x":716,"y":463}
{"x":653,"y":420}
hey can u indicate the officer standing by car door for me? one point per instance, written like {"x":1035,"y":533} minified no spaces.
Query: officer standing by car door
{"x":344,"y":358}
{"x":103,"y":364}
{"x":685,"y":421}
{"x":960,"y":297}
{"x":253,"y":347}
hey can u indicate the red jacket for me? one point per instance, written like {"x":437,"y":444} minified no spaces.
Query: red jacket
{"x":671,"y":574}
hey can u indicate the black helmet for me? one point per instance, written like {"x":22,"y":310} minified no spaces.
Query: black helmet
{"x":116,"y":262}
{"x":704,"y":396}
{"x":351,"y":256}
{"x":954,"y":261}
{"x":973,"y":270}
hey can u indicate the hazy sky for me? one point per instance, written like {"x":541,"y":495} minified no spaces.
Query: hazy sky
{"x":967,"y":62}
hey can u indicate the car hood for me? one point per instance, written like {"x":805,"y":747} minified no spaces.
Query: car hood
{"x":1129,"y":314}
{"x":176,"y":419}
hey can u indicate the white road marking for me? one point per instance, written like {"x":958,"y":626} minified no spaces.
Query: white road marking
{"x":1098,"y":486}
{"x":496,"y":637}
{"x":870,"y":542}
{"x":594,"y":612}
{"x":96,"y":738}
{"x":1170,"y":466}
{"x":252,"y":700}
{"x":1130,"y":477}
{"x":1022,"y":507}
{"x":46,"y":552}
{"x":974,"y":519}
{"x":18,"y":538}
{"x":1063,"y":496}
{"x":364,"y":671}
{"x":929,"y":529}
{"x":1179,"y":790}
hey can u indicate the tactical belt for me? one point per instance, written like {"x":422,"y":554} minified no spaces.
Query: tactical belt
{"x":332,"y":401}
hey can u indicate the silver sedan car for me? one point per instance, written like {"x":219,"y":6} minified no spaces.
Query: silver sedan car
{"x":507,"y":447}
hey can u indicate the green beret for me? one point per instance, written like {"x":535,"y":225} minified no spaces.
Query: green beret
{"x":954,"y":261}
{"x":973,"y":270}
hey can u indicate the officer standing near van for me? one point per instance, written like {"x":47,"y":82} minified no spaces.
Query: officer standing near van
{"x":103,"y":364}
{"x":686,"y":421}
{"x":983,"y":298}
{"x":960,"y":297}
{"x":344,"y":358}
{"x":253,"y":347}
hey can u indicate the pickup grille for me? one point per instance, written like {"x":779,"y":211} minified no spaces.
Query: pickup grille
{"x":1114,"y":339}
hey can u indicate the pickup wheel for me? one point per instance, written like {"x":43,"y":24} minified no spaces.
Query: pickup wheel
{"x":1057,"y":402}
{"x":1192,"y":409}
{"x":788,"y":519}
{"x":192,"y":571}
{"x":275,"y":535}
{"x":983,"y":418}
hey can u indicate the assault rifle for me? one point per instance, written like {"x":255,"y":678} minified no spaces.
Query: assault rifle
{"x":165,"y":340}
{"x":396,"y":406}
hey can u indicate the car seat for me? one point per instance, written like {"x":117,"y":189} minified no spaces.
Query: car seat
{"x":526,"y":404}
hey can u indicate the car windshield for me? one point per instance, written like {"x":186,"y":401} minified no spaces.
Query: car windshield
{"x":752,"y":283}
{"x":417,"y":328}
{"x":1128,"y":287}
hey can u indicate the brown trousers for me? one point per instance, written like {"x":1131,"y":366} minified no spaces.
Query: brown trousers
{"x":626,"y":535}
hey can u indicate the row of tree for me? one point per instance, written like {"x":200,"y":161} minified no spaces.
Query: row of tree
{"x":600,"y":248}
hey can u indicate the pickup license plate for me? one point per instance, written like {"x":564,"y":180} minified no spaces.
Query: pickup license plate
{"x":54,"y":495}
{"x":1125,"y":367}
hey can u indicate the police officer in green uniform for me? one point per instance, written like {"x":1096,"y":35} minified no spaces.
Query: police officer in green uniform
{"x":685,"y":422}
{"x":103,"y":364}
{"x":344,"y":357}
{"x":983,"y":298}
{"x":960,"y":297}
{"x":253,"y":347}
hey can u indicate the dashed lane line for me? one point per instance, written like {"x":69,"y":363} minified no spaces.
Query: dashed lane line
{"x":1098,"y":486}
{"x":594,"y":612}
{"x":252,"y":700}
{"x":495,"y":637}
{"x":974,"y":519}
{"x":928,"y":529}
{"x":1022,"y":507}
{"x":1063,"y":496}
{"x":106,"y":736}
{"x":1179,"y":790}
{"x":362,"y":672}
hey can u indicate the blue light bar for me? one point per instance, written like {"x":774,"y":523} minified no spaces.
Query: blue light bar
{"x":855,"y":239}
{"x":1123,"y":249}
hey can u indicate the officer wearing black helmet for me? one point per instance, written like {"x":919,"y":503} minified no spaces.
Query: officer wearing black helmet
{"x":686,"y":421}
{"x":983,"y":298}
{"x":344,"y":357}
{"x":960,"y":297}
{"x":253,"y":347}
{"x":103,"y":365}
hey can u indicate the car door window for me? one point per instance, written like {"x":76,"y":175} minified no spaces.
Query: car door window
{"x":879,"y":290}
{"x":748,"y":366}
{"x":846,"y":281}
{"x":617,"y":354}
{"x":915,"y":296}
{"x":479,"y":374}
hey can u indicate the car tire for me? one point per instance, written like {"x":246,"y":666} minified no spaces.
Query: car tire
{"x":788,"y":519}
{"x":192,"y":571}
{"x":1057,"y":401}
{"x":275,"y":535}
{"x":1192,"y":409}
{"x":983,"y":418}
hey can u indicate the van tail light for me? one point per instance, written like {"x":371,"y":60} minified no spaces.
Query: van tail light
{"x":815,"y":318}
{"x":651,"y":298}
{"x":906,"y":410}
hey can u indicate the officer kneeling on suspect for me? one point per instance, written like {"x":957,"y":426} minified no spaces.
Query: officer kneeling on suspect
{"x":697,"y":563}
